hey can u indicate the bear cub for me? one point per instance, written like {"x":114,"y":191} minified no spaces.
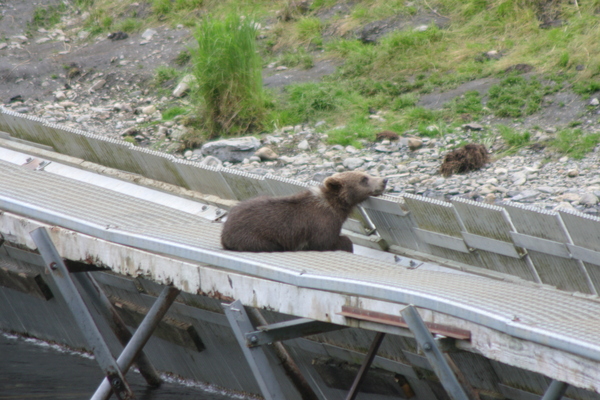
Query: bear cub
{"x":309,"y":220}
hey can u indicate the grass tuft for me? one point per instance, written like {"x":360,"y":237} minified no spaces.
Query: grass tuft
{"x":575,"y":143}
{"x":228,"y":71}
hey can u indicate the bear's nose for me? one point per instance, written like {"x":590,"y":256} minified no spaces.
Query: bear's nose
{"x":385,"y":181}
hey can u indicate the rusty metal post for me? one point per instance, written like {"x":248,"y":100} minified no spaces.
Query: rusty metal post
{"x":362,"y":372}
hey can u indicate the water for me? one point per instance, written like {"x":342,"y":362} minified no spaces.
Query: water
{"x":33,"y":369}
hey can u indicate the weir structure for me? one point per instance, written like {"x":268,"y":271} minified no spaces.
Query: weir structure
{"x":115,"y":249}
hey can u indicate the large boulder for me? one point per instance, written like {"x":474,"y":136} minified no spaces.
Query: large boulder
{"x":232,"y":150}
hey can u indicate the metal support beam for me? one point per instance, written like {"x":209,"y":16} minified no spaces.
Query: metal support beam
{"x":256,"y":356}
{"x":85,"y":321}
{"x":140,"y":337}
{"x":555,"y":391}
{"x":111,"y":316}
{"x":293,"y":329}
{"x":362,"y":372}
{"x":436,"y":358}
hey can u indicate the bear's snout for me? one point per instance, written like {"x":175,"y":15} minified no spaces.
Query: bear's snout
{"x":380,"y":187}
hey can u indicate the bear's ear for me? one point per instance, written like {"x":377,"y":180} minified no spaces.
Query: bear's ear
{"x":333,"y":184}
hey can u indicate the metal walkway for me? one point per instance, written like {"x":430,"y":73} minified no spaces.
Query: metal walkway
{"x":533,"y":313}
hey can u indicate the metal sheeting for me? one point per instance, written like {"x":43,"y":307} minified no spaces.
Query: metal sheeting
{"x":560,"y":249}
{"x":141,"y":224}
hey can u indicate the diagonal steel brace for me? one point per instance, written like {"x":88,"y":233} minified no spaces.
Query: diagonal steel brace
{"x":140,"y":337}
{"x":84,"y":319}
{"x":256,"y":356}
{"x":434,"y":355}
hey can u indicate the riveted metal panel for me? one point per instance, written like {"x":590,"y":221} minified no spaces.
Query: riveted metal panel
{"x":204,"y":179}
{"x":544,"y":236}
{"x":440,"y":228}
{"x":244,"y":185}
{"x":584,"y":232}
{"x":496,"y":249}
{"x":285,"y":187}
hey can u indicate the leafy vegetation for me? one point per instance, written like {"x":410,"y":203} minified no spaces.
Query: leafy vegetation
{"x":228,"y":71}
{"x":483,"y":38}
{"x":575,"y":143}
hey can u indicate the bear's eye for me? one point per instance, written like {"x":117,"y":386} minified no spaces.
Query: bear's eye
{"x":364,"y":180}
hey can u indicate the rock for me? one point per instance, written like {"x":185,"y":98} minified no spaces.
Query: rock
{"x":131,"y":131}
{"x":148,"y":34}
{"x":570,"y":197}
{"x":351,"y":149}
{"x":184,"y":86}
{"x":281,"y":68}
{"x":472,"y":127}
{"x":119,"y":35}
{"x":490,"y":198}
{"x":266,"y":154}
{"x":572,"y":173}
{"x":414,"y":143}
{"x":526,"y":195}
{"x":3,"y":45}
{"x":518,"y":178}
{"x":60,"y":95}
{"x":303,"y":145}
{"x":67,"y":104}
{"x":97,"y":85}
{"x":352,"y":163}
{"x":149,"y":110}
{"x":594,"y":102}
{"x":211,"y":161}
{"x":232,"y":150}
{"x":588,"y":199}
{"x":563,"y":206}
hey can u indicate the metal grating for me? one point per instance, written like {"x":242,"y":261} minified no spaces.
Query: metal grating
{"x":531,"y":313}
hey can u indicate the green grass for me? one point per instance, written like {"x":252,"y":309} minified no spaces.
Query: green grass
{"x":128,"y":25}
{"x":575,"y":142}
{"x":228,"y":71}
{"x":514,"y":139}
{"x":358,"y":129}
{"x":163,"y":74}
{"x":299,"y":57}
{"x":47,"y":16}
{"x":172,"y":112}
{"x":516,"y":96}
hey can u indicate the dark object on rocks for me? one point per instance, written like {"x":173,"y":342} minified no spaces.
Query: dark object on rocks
{"x":389,"y":135}
{"x":118,"y":35}
{"x":73,"y":71}
{"x":468,"y":158}
{"x":309,"y":220}
{"x":16,"y":98}
{"x":521,"y":68}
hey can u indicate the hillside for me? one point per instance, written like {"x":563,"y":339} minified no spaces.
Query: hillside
{"x":521,"y":69}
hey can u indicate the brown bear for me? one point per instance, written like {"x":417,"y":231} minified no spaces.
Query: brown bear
{"x":309,"y":220}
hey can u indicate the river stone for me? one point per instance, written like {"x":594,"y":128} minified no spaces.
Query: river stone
{"x":352,"y":163}
{"x":266,"y":154}
{"x":184,"y":86}
{"x":588,"y":199}
{"x":232,"y":150}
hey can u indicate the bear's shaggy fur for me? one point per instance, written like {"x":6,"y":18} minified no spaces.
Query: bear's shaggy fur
{"x":309,"y":220}
{"x":468,"y":158}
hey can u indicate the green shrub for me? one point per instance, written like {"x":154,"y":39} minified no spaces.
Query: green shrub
{"x":228,"y":71}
